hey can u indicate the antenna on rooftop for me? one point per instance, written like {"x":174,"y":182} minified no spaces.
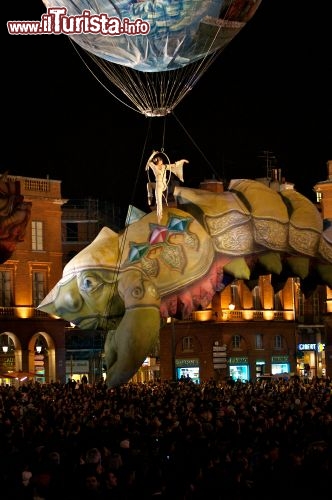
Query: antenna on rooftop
{"x":270,"y":162}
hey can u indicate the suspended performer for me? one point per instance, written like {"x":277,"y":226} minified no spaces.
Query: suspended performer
{"x":160,"y":170}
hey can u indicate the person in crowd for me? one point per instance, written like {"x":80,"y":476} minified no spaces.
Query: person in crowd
{"x":175,"y":440}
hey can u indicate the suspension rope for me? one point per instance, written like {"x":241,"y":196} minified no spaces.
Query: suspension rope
{"x":157,"y":93}
{"x":196,"y":145}
{"x":98,"y":79}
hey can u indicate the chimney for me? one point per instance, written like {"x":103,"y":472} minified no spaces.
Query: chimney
{"x":276,"y":172}
{"x":213,"y":185}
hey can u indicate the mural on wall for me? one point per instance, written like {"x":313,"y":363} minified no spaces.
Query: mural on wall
{"x":14,"y":216}
{"x":126,"y":283}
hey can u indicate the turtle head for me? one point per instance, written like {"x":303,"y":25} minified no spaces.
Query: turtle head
{"x":95,"y":294}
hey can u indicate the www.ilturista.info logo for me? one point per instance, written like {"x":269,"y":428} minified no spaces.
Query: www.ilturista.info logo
{"x":56,"y":21}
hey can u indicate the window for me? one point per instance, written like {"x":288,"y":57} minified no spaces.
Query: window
{"x":278,"y":302}
{"x":71,"y":231}
{"x":235,"y":296}
{"x":256,"y":298}
{"x":236,"y":341}
{"x":37,"y":235}
{"x":187,"y":344}
{"x":259,"y":341}
{"x":6,"y":289}
{"x":38,"y":287}
{"x":278,"y":344}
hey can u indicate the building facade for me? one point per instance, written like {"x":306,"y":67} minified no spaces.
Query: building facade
{"x":231,"y":341}
{"x":31,"y":342}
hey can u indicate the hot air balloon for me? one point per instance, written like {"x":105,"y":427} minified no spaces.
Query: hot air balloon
{"x":156,"y":68}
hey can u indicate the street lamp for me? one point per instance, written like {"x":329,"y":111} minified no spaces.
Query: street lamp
{"x":172,"y":321}
{"x":39,"y":345}
{"x":5,"y":341}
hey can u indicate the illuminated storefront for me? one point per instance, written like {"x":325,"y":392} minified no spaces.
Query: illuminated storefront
{"x":239,"y":368}
{"x":311,"y":359}
{"x":186,"y":368}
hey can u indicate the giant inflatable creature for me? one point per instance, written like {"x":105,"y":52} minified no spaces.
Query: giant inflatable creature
{"x":126,"y":283}
{"x":14,"y":216}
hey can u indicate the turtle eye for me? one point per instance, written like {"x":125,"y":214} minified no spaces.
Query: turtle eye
{"x":88,"y":283}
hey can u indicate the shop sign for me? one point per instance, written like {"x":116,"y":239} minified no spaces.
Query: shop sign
{"x":186,"y":362}
{"x":279,"y":359}
{"x":311,"y":347}
{"x":7,"y":363}
{"x":238,"y":360}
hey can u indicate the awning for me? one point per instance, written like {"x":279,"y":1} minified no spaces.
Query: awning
{"x":19,"y":375}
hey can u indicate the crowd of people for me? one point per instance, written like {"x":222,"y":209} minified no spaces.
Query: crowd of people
{"x":167,"y":439}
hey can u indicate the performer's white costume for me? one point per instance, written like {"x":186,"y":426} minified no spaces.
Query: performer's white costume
{"x":161,"y":179}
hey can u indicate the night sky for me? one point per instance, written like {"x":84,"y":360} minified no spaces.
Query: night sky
{"x":270,"y":90}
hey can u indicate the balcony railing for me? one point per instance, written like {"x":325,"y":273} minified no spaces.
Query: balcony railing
{"x":22,"y":312}
{"x":243,"y":315}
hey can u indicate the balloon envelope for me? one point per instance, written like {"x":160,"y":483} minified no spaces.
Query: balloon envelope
{"x":180,"y":31}
{"x":156,"y":69}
